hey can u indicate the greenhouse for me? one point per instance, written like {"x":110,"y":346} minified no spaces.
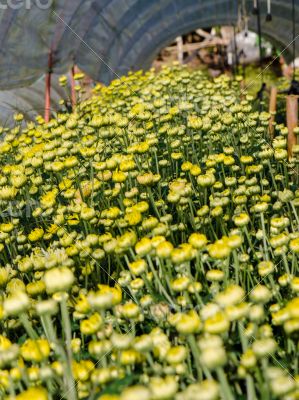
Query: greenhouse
{"x":149,"y":200}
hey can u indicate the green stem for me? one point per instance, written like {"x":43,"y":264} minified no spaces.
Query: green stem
{"x":225,"y":388}
{"x":28,"y":327}
{"x":264,"y":237}
{"x":66,"y":323}
{"x":195,"y":352}
{"x":161,"y":287}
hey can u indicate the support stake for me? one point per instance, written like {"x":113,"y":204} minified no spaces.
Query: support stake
{"x":272,"y":110}
{"x":73,"y":91}
{"x":242,"y":89}
{"x":292,"y":121}
{"x":179,"y":41}
{"x":48,"y":89}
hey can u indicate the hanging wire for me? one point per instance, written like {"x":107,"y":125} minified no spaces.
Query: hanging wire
{"x":255,"y":8}
{"x":245,"y":18}
{"x":236,"y":58}
{"x":260,"y":93}
{"x":241,"y":15}
{"x":294,"y":35}
{"x":294,"y":87}
{"x":269,"y":15}
{"x":259,"y":33}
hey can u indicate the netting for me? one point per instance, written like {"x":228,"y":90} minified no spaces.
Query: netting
{"x":107,"y":38}
{"x":29,"y":100}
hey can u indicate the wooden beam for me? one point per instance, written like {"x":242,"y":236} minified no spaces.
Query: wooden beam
{"x":203,"y":33}
{"x":292,"y":122}
{"x":189,"y":47}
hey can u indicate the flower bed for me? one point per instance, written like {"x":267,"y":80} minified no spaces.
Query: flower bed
{"x":149,"y":248}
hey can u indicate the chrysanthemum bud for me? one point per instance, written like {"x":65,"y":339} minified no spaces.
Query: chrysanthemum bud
{"x":163,"y":388}
{"x":213,"y":357}
{"x":260,"y":294}
{"x":58,"y":279}
{"x":136,"y":393}
{"x":197,"y":240}
{"x":264,"y":347}
{"x":16,"y":303}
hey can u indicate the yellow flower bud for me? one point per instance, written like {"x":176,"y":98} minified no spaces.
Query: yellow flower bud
{"x":34,"y":393}
{"x":35,"y":350}
{"x":138,"y":267}
{"x":188,"y":323}
{"x":91,"y":325}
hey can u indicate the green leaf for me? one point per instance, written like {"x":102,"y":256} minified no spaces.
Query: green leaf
{"x":117,"y":386}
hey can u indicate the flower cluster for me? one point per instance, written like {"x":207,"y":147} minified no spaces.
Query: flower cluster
{"x":160,"y":260}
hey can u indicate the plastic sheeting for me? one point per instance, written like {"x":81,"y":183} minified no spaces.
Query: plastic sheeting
{"x":29,"y":100}
{"x":106,"y":38}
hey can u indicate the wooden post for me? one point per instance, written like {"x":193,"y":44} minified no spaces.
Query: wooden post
{"x":48,"y":89}
{"x":73,"y":91}
{"x":242,"y":89}
{"x":179,"y":41}
{"x":292,"y":121}
{"x":272,"y":110}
